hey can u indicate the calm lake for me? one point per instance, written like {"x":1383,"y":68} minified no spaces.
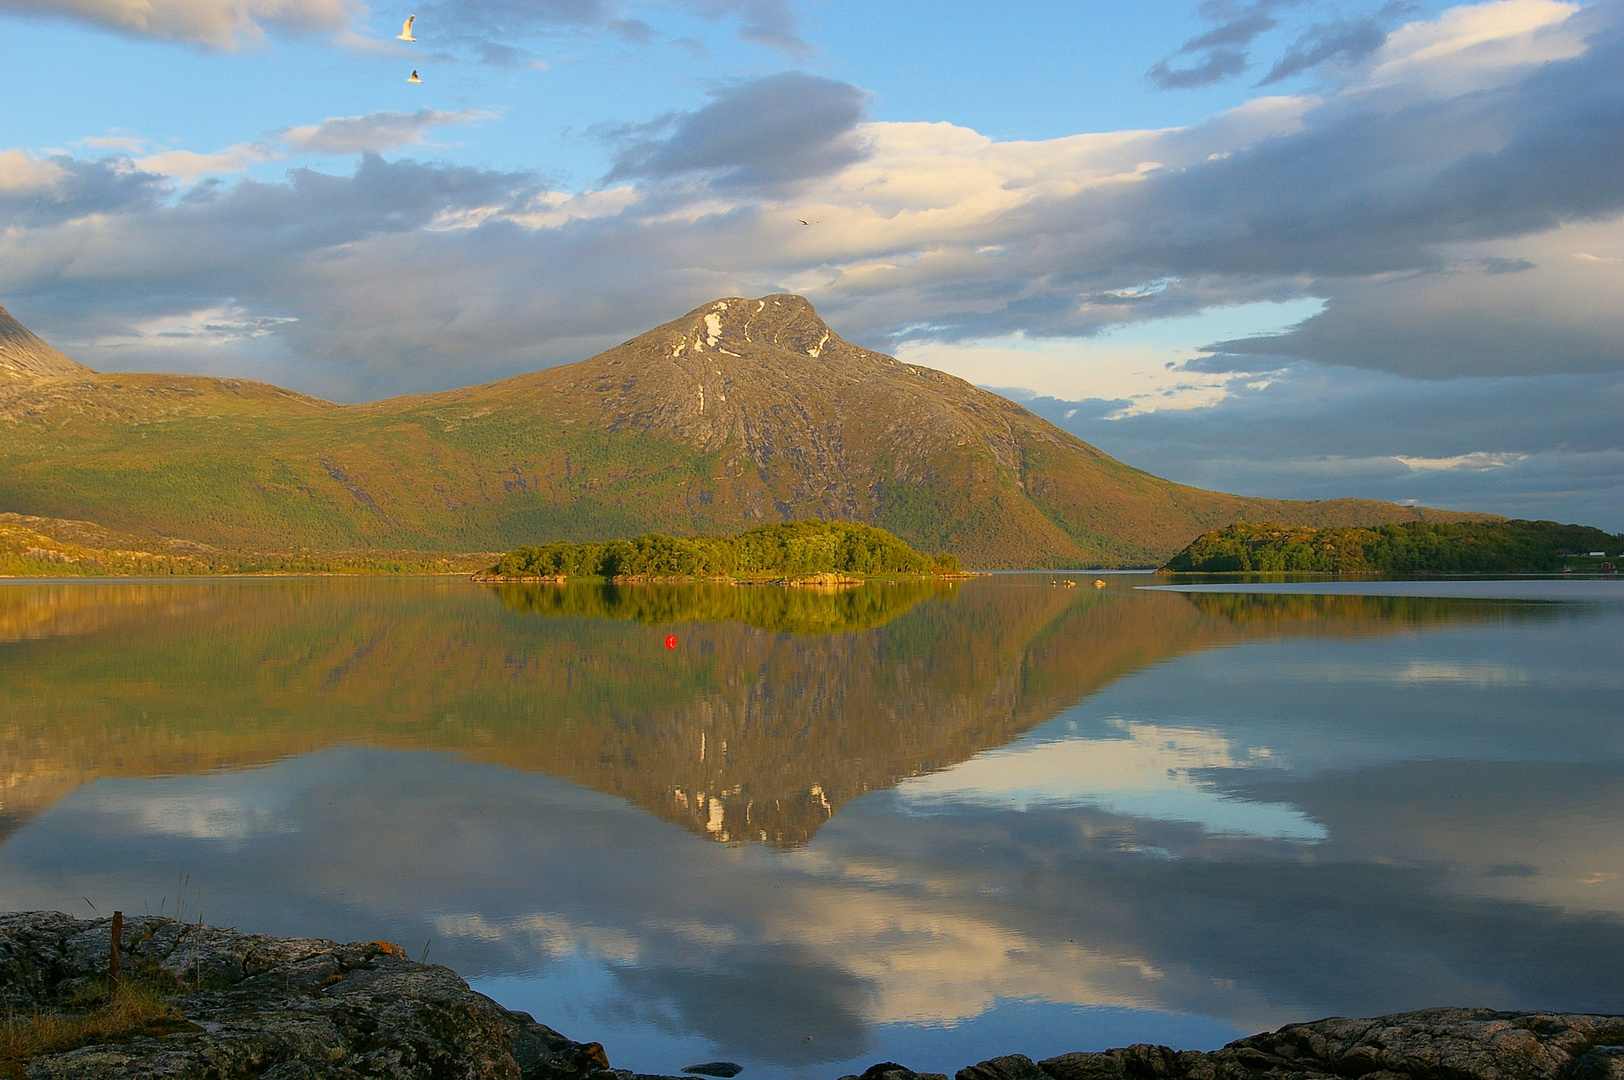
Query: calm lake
{"x":920,"y":822}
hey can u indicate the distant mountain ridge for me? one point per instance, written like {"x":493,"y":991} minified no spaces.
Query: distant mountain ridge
{"x":741,"y":412}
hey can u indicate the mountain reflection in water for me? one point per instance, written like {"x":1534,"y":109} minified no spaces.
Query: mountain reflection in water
{"x":913,"y":821}
{"x":737,"y":734}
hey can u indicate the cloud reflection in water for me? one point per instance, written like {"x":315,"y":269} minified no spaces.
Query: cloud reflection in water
{"x":1150,"y":771}
{"x":1197,"y":837}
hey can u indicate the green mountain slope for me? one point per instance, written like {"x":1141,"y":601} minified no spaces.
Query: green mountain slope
{"x":739,"y":413}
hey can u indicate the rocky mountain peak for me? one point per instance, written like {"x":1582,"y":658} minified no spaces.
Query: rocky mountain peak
{"x":740,"y":327}
{"x":24,"y":355}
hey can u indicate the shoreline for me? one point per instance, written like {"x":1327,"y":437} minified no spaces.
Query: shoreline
{"x":251,"y":1005}
{"x":822,"y":579}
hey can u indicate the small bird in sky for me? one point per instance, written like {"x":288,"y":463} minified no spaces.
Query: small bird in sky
{"x":414,"y":77}
{"x":803,"y":221}
{"x":406,"y":30}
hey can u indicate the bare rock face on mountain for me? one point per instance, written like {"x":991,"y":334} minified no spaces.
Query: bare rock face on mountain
{"x":23,"y":355}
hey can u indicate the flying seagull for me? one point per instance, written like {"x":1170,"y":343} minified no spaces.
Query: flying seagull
{"x":406,"y":30}
{"x":803,"y":221}
{"x":414,"y":77}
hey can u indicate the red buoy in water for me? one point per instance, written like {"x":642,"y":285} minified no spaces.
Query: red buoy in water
{"x":671,"y":641}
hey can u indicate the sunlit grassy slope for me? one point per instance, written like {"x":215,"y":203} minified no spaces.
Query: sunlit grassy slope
{"x":54,"y":547}
{"x":742,"y":412}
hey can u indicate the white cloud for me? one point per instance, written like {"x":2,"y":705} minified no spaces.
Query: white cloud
{"x":1475,"y":461}
{"x":127,"y":144}
{"x":1472,"y":46}
{"x":931,"y":185}
{"x":1549,"y":300}
{"x":1143,"y":365}
{"x":22,"y":173}
{"x":221,"y":24}
{"x":374,"y":131}
{"x":188,"y":165}
{"x":493,"y":33}
{"x":547,"y":210}
{"x":227,"y":324}
{"x":336,"y":136}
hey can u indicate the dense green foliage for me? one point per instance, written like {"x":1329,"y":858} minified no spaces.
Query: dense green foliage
{"x":793,"y":548}
{"x":1412,"y":547}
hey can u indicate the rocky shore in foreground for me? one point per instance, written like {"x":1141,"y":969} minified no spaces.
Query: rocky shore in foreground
{"x":235,"y":1006}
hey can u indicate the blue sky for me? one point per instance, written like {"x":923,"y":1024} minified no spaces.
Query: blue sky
{"x":1290,"y":247}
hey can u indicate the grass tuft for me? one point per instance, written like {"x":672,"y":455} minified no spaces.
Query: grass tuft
{"x":95,"y":1014}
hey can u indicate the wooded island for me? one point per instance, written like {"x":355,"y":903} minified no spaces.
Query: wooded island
{"x":793,"y":549}
{"x":1410,"y":547}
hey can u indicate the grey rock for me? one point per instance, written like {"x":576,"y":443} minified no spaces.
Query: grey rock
{"x":1601,"y":1063}
{"x":1008,"y":1067}
{"x":890,"y":1070}
{"x":1434,"y":1044}
{"x":1139,"y":1061}
{"x":724,"y":1069}
{"x":278,"y":1008}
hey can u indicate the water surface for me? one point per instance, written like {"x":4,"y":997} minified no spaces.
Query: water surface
{"x":929,"y":823}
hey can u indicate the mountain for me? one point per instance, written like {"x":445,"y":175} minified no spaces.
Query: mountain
{"x":23,"y":355}
{"x":738,"y":413}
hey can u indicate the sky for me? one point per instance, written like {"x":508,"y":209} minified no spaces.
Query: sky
{"x":1301,"y":248}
